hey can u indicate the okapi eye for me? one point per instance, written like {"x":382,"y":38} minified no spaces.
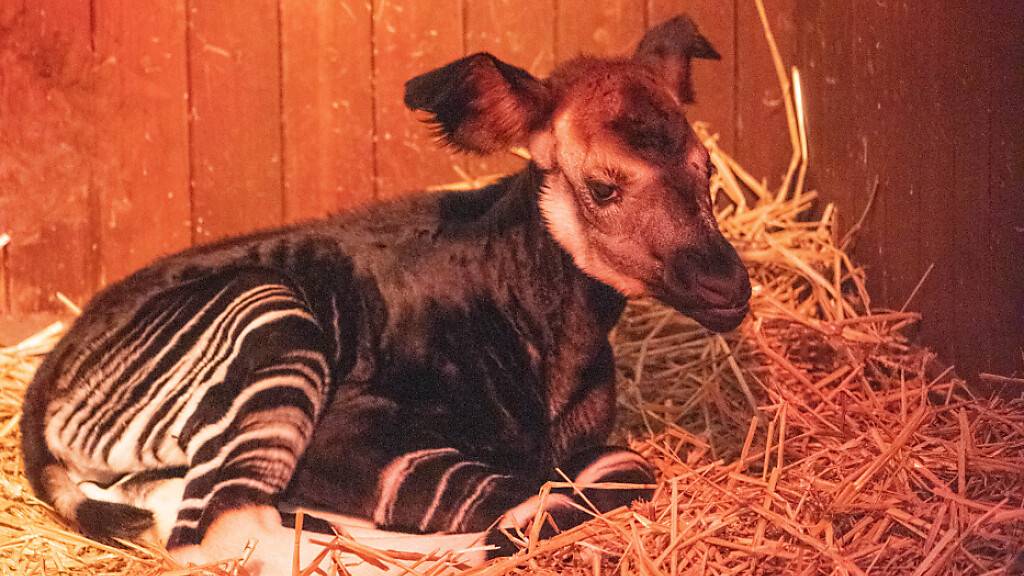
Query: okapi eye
{"x":602,"y":192}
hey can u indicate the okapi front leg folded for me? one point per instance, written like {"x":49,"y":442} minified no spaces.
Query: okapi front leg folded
{"x":374,"y":458}
{"x":433,"y":487}
{"x":568,"y":508}
{"x":440,"y":490}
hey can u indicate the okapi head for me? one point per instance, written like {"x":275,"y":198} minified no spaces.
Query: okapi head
{"x":626,"y":187}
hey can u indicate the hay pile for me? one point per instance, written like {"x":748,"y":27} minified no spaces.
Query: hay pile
{"x":814,"y":440}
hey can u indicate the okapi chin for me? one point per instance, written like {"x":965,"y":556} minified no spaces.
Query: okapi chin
{"x":424,"y":364}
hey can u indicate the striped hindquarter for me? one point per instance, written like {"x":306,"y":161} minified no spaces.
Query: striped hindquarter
{"x":224,"y":376}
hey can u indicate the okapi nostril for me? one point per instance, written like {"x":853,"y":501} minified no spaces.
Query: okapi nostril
{"x":709,"y":280}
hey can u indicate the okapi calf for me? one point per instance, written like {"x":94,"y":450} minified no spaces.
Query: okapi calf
{"x":425,"y":363}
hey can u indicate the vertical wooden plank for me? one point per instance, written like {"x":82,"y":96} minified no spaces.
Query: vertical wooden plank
{"x":410,"y":38}
{"x":520,"y":33}
{"x":327,"y":106}
{"x":826,"y":41}
{"x":871,"y":76}
{"x":607,"y":28}
{"x":891,"y":68}
{"x":924,"y":155}
{"x":49,"y":104}
{"x":714,"y":82}
{"x":234,"y":73}
{"x":1004,"y":27}
{"x":761,"y":133}
{"x":842,"y":134}
{"x":868,"y":129}
{"x":145,"y":210}
{"x":967,"y":205}
{"x":964,"y":204}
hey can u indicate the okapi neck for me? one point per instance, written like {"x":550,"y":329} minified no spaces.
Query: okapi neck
{"x":603,"y":301}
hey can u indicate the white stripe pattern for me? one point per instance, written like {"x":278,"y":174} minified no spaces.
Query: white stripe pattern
{"x":442,"y":486}
{"x":609,"y":464}
{"x":482,"y":490}
{"x":395,"y":473}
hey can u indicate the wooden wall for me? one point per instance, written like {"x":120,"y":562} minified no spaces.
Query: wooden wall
{"x":927,"y":98}
{"x":133,"y":129}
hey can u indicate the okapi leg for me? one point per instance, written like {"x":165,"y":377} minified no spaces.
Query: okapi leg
{"x":442,"y":490}
{"x":245,"y":434}
{"x":566,"y":509}
{"x":371,"y":458}
{"x":610,"y":464}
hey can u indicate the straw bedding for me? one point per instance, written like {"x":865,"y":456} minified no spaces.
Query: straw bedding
{"x":816,"y":439}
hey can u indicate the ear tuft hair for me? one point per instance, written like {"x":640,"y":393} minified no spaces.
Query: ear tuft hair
{"x":479,"y":103}
{"x":671,"y":46}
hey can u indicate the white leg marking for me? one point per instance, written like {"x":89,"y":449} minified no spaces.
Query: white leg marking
{"x":609,"y":464}
{"x":482,"y":489}
{"x":440,"y":490}
{"x":524,"y":512}
{"x":394,"y":474}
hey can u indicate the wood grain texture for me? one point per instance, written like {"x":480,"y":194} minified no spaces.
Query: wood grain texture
{"x":607,"y":28}
{"x":234,"y":73}
{"x":145,"y":210}
{"x":410,"y":38}
{"x":921,"y":151}
{"x":51,"y":97}
{"x":297,"y":110}
{"x":59,"y":20}
{"x":327,"y":106}
{"x":971,"y":207}
{"x":522,"y":34}
{"x":714,"y":81}
{"x":762,"y":139}
{"x":1005,"y":271}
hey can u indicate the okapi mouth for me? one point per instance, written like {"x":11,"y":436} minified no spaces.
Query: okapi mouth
{"x":713,"y":316}
{"x":719,"y":319}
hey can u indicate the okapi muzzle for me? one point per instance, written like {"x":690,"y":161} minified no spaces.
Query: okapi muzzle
{"x":709,"y":283}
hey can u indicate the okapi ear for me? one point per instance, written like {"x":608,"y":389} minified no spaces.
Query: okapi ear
{"x":479,"y":103}
{"x":670,"y":46}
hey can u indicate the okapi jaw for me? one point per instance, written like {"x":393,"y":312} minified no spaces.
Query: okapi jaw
{"x":626,"y":188}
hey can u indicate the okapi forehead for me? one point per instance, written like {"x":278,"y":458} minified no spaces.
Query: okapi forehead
{"x":625,"y":101}
{"x":582,"y":154}
{"x":650,"y":124}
